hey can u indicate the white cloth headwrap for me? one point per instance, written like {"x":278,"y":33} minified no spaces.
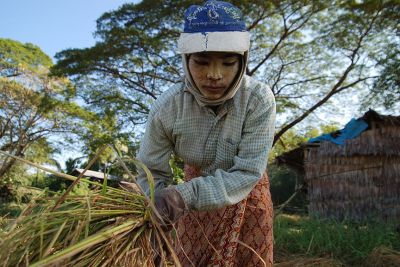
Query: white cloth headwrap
{"x":234,"y":42}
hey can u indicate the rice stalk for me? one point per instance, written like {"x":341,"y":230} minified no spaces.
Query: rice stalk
{"x":310,"y":262}
{"x":383,"y":257}
{"x":107,"y":227}
{"x":74,"y":183}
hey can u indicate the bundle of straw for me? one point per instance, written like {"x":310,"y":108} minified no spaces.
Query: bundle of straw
{"x":383,"y":257}
{"x":108,"y":227}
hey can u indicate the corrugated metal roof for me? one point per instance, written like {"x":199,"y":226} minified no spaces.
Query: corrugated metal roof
{"x":95,"y":174}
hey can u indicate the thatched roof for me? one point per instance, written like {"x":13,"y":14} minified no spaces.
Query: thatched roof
{"x":93,"y":174}
{"x":375,"y":120}
{"x":378,"y":141}
{"x":382,"y":137}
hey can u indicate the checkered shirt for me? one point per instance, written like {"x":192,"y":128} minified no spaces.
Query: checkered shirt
{"x":229,"y":146}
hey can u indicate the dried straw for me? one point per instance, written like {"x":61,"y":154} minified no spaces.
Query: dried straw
{"x":383,"y":257}
{"x":109,"y":227}
{"x":310,"y":262}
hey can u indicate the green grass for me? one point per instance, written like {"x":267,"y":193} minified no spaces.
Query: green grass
{"x":350,"y":243}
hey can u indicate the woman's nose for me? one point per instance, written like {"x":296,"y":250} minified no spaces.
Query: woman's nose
{"x":214,"y":72}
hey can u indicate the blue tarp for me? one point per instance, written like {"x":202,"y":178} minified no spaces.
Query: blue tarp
{"x":352,"y":129}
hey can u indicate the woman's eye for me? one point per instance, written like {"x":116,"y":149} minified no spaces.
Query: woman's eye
{"x":201,"y":62}
{"x":229,"y":63}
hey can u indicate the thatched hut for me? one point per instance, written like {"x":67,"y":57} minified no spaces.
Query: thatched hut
{"x":358,"y":180}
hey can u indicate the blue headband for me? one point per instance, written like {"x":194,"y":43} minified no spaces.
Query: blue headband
{"x":214,"y":16}
{"x":215,"y":26}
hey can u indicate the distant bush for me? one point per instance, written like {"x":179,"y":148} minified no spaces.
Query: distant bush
{"x":283,"y":183}
{"x":10,"y":210}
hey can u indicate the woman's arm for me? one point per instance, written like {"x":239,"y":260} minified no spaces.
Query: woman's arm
{"x":233,"y":185}
{"x":155,"y":152}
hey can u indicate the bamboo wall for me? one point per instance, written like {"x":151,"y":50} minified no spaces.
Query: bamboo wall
{"x":357,"y":181}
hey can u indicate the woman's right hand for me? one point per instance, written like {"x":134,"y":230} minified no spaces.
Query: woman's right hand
{"x":170,"y":205}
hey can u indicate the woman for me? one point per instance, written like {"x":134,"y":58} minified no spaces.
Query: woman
{"x":221,"y":123}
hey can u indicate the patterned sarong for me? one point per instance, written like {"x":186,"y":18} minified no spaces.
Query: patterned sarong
{"x":238,"y":235}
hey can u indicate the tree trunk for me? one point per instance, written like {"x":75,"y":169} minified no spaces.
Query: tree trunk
{"x":6,"y":194}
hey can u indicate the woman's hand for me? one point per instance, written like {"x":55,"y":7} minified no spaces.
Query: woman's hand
{"x":169,"y":203}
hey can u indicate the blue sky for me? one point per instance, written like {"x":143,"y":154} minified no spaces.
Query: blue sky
{"x":53,"y":25}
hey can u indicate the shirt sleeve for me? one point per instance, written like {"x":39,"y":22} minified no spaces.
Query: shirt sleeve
{"x":155,"y":151}
{"x":231,"y":186}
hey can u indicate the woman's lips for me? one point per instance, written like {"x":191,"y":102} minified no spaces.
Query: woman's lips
{"x":214,"y":88}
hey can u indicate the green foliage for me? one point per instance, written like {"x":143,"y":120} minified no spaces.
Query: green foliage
{"x":10,"y":210}
{"x":178,"y":173}
{"x":349,"y":242}
{"x":71,"y":164}
{"x":105,"y":131}
{"x":327,"y":128}
{"x":307,"y":51}
{"x":57,"y":185}
{"x":16,"y":175}
{"x":16,"y":57}
{"x":283,"y":183}
{"x":107,"y":162}
{"x":289,"y":141}
{"x":54,"y":184}
{"x":33,"y":106}
{"x":386,"y":89}
{"x":81,"y":189}
{"x":293,"y":139}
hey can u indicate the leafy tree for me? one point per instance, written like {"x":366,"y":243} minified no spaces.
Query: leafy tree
{"x":292,"y":139}
{"x":386,"y":89}
{"x":71,"y":164}
{"x":307,"y":51}
{"x":33,"y":106}
{"x":21,"y":176}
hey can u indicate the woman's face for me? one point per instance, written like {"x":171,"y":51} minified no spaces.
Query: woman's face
{"x":213,"y":72}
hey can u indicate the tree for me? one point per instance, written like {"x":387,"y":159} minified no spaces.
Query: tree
{"x":33,"y":106}
{"x":307,"y":51}
{"x":292,"y":139}
{"x":386,"y":89}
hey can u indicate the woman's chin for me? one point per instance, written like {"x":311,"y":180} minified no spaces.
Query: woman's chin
{"x":212,"y":95}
